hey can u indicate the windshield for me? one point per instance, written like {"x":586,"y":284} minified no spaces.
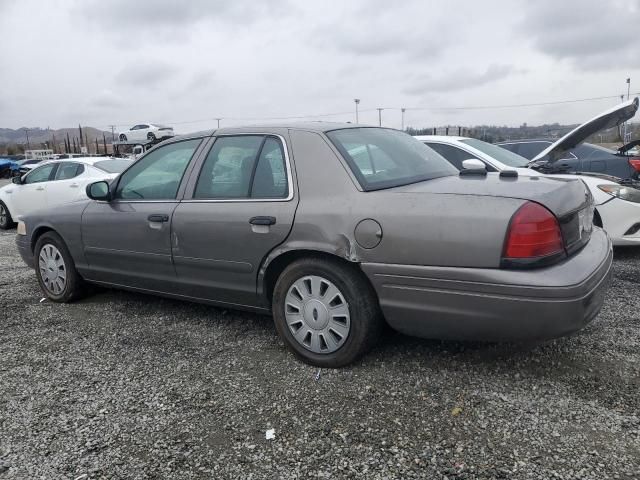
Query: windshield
{"x":383,"y":158}
{"x":500,"y":154}
{"x":117,"y":165}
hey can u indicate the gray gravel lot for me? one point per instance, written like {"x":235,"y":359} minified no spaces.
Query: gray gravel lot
{"x":122,"y":385}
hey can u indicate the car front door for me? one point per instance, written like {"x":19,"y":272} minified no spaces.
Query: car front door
{"x":239,"y":204}
{"x":67,"y":184}
{"x":127,"y":240}
{"x":32,"y":193}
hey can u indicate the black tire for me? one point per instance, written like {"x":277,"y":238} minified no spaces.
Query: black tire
{"x":151,"y":136}
{"x":74,"y":287}
{"x":366,"y":321}
{"x":123,"y":137}
{"x":6,"y":222}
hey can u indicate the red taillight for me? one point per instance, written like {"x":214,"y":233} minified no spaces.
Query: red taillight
{"x":635,"y":163}
{"x":533,"y":232}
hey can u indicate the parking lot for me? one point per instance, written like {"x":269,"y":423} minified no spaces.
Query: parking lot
{"x":122,"y":385}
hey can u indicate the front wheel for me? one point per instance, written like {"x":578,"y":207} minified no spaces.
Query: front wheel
{"x":151,"y":136}
{"x":56,"y":271}
{"x":326,"y":312}
{"x":123,"y":138}
{"x":6,"y":222}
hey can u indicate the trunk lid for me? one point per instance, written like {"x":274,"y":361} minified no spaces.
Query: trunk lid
{"x":568,"y":199}
{"x":608,"y":119}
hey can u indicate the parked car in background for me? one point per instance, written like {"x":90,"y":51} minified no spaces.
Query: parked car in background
{"x":332,"y":228}
{"x":146,"y":131}
{"x":617,"y":206}
{"x":7,"y":165}
{"x":571,"y":154}
{"x":54,"y":183}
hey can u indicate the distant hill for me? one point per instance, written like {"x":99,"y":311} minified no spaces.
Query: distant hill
{"x":41,"y":137}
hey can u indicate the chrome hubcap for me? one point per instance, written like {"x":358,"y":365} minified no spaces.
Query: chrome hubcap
{"x":317,"y":314}
{"x":52,"y":269}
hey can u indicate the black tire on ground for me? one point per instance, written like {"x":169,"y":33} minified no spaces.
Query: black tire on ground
{"x":6,"y":222}
{"x":123,"y":137}
{"x":74,"y":287}
{"x":151,"y":136}
{"x":366,"y":321}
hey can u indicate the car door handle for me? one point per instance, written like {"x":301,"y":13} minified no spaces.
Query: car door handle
{"x":73,"y":185}
{"x":158,"y":217}
{"x":40,"y":188}
{"x":262,"y":221}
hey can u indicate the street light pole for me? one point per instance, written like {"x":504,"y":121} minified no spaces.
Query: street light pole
{"x":403,"y":110}
{"x":218,"y":119}
{"x":26,"y":131}
{"x":628,"y":87}
{"x":380,"y":116}
{"x":357,"y":102}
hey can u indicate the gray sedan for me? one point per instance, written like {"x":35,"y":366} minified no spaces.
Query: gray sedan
{"x":334,"y":229}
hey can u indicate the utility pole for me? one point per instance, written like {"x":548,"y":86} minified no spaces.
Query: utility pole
{"x":380,"y":116}
{"x":625,"y":140}
{"x":218,"y":119}
{"x":113,"y":132}
{"x":357,"y":102}
{"x":403,"y":110}
{"x":26,"y":131}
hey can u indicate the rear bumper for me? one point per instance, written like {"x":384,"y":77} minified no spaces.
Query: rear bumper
{"x":495,"y":304}
{"x":24,"y":248}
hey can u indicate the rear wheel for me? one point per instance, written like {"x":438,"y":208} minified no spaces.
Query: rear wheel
{"x":6,"y":222}
{"x":326,"y":312}
{"x":123,"y":137}
{"x":56,"y":271}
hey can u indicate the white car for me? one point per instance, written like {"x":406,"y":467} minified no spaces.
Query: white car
{"x":146,"y":131}
{"x":617,"y":205}
{"x":55,"y":182}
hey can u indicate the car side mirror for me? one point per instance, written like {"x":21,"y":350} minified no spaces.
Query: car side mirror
{"x":17,"y":179}
{"x":99,"y":191}
{"x":473,"y":164}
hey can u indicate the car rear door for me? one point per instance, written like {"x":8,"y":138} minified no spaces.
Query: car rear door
{"x":32,"y":193}
{"x":239,"y":204}
{"x":127,"y":241}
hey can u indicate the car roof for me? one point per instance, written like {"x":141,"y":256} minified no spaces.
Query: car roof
{"x":85,"y":160}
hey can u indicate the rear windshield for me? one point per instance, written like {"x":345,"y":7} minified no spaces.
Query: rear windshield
{"x":383,"y":158}
{"x":500,"y":154}
{"x":117,"y":165}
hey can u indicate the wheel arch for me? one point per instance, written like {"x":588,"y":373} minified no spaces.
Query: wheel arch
{"x":276,"y":262}
{"x":37,"y":233}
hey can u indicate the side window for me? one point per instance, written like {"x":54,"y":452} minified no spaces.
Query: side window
{"x":227,"y":171}
{"x":68,"y":170}
{"x":157,"y":175}
{"x":40,"y":174}
{"x":454,"y":155}
{"x":530,"y":150}
{"x":270,"y":178}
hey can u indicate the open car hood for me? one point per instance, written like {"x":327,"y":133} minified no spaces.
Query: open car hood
{"x":611,"y":118}
{"x":628,"y":146}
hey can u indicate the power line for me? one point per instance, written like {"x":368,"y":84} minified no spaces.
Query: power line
{"x":334,"y":114}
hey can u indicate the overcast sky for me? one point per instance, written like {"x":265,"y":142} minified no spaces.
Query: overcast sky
{"x":187,"y":62}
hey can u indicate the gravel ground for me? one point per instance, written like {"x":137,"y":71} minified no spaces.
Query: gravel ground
{"x":123,"y":385}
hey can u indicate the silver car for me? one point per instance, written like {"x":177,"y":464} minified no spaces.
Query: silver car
{"x":334,"y":229}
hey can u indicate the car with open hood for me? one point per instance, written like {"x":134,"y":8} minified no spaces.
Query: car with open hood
{"x":334,"y":229}
{"x":616,"y":202}
{"x":571,"y":154}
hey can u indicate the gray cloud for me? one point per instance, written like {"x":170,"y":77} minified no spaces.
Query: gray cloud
{"x":459,"y":79}
{"x":146,"y":74}
{"x":106,"y":99}
{"x":591,"y":34}
{"x":172,"y":15}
